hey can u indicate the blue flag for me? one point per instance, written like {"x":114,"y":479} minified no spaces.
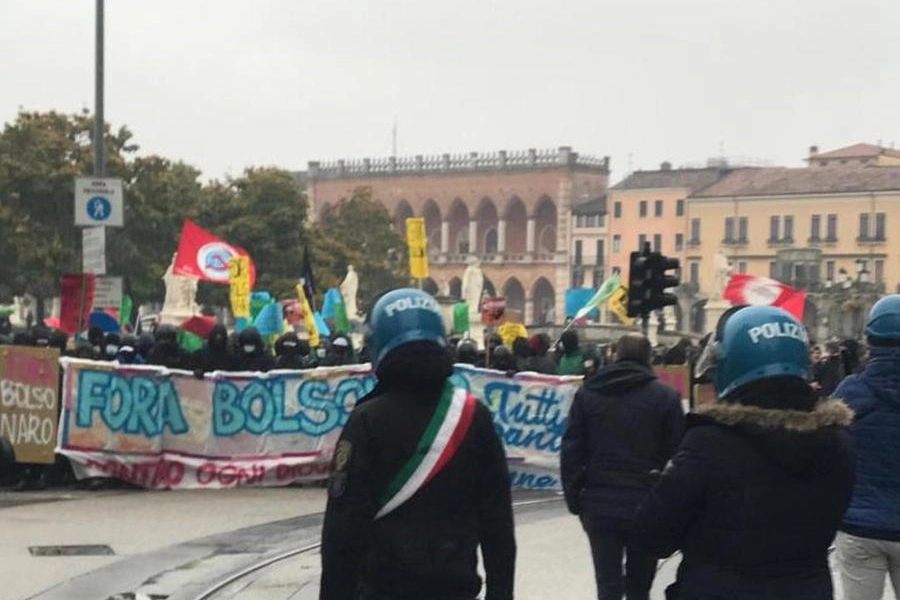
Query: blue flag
{"x":270,"y":320}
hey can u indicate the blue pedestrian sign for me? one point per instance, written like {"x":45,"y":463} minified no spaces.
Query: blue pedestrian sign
{"x":98,"y":202}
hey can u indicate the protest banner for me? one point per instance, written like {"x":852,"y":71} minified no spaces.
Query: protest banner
{"x":167,"y":429}
{"x":29,"y":378}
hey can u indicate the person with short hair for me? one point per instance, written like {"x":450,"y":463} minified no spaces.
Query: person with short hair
{"x":623,"y":425}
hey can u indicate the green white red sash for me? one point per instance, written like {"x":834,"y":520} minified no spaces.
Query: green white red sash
{"x":442,"y":437}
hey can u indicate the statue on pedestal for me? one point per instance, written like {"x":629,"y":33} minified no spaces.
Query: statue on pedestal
{"x":472,"y":287}
{"x":181,"y":292}
{"x":349,"y":287}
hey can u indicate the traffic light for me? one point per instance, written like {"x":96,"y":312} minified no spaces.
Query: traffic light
{"x":640,"y":276}
{"x":661,"y":281}
{"x":648,"y":281}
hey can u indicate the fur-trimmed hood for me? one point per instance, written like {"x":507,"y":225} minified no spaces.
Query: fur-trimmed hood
{"x":804,"y":443}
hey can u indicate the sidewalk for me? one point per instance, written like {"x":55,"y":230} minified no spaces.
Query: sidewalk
{"x":130,"y":522}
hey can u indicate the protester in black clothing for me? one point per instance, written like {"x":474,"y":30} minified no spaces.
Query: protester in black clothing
{"x":522,"y":353}
{"x":829,"y":371}
{"x":389,"y":535}
{"x":291,"y":352}
{"x":467,"y":352}
{"x":623,"y":425}
{"x":215,"y":354}
{"x":339,"y":351}
{"x":128,"y":354}
{"x":503,"y":360}
{"x":166,"y":351}
{"x":111,"y":343}
{"x":253,"y":354}
{"x":145,"y":343}
{"x":541,"y":361}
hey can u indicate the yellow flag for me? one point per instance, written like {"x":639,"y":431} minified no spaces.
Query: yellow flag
{"x":617,"y":303}
{"x":239,"y":280}
{"x":308,"y":319}
{"x":509,"y":331}
{"x":416,"y":242}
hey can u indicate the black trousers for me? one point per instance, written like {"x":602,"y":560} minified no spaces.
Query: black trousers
{"x":611,"y":538}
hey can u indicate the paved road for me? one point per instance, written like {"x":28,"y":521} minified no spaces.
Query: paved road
{"x":176,"y":544}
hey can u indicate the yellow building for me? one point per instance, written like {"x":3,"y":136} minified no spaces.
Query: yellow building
{"x":823,"y":229}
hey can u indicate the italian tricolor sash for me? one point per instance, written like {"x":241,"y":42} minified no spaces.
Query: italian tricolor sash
{"x":442,"y":437}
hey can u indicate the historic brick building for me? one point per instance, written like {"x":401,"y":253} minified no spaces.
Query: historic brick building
{"x":511,"y":210}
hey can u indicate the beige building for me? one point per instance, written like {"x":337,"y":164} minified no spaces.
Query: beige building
{"x":857,"y":155}
{"x":588,"y":253}
{"x":823,"y":229}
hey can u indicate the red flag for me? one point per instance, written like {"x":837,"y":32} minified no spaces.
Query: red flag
{"x":754,"y":290}
{"x":205,"y":256}
{"x":200,"y":326}
{"x":793,"y":302}
{"x":76,"y":299}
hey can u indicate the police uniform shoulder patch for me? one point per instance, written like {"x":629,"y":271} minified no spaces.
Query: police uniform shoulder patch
{"x":342,"y":454}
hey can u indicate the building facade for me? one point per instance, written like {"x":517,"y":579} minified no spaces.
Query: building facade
{"x":857,"y":155}
{"x":826,"y":230}
{"x":589,"y":244}
{"x":511,"y":211}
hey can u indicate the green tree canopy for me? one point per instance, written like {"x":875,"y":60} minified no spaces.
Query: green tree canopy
{"x":359,"y":231}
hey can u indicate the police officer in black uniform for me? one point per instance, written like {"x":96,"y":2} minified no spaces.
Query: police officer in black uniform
{"x":419,"y":478}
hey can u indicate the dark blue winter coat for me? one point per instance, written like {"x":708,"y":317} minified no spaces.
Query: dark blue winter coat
{"x":753,"y":498}
{"x":874,"y":396}
{"x":623,"y":425}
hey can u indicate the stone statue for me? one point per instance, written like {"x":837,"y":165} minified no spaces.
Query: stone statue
{"x":472,"y":286}
{"x":721,"y":274}
{"x":180,"y":295}
{"x":349,"y":287}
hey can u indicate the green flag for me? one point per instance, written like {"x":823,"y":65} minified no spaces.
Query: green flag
{"x":189,"y":341}
{"x":606,"y":290}
{"x":461,"y":317}
{"x":125,"y":311}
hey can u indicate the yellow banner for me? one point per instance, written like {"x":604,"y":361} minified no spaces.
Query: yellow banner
{"x":308,"y":319}
{"x":618,"y":305}
{"x":239,"y":280}
{"x":416,"y":242}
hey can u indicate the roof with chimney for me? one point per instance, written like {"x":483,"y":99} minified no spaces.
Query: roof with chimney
{"x":783,"y":181}
{"x":855,"y":151}
{"x":691,"y":179}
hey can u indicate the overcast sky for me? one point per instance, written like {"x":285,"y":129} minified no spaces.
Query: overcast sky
{"x":227,"y":84}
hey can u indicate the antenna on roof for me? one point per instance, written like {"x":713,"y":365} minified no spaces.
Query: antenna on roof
{"x":394,"y":138}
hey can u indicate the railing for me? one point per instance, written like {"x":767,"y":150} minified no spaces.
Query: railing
{"x":445,"y":163}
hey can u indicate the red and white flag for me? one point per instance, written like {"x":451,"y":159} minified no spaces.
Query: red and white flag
{"x":205,"y":256}
{"x":754,"y":290}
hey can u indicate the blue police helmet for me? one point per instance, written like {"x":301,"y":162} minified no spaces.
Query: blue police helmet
{"x":884,"y":320}
{"x":403,"y":316}
{"x":759,"y":342}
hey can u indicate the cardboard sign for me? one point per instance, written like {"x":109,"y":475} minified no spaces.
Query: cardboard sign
{"x":29,"y":382}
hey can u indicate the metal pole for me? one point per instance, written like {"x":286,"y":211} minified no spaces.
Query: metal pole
{"x":645,"y":324}
{"x":99,"y":163}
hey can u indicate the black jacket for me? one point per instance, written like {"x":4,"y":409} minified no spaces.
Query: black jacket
{"x":622,"y":425}
{"x":215,"y":354}
{"x":753,"y":499}
{"x":427,"y":548}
